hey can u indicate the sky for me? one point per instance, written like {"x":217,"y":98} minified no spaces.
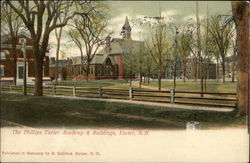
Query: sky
{"x":118,"y":10}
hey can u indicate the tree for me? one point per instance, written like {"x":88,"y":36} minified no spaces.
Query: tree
{"x":159,"y":48}
{"x":240,"y":11}
{"x":140,"y":58}
{"x":207,"y":47}
{"x":233,"y":51}
{"x":129,"y":59}
{"x":149,"y":66}
{"x":221,"y":31}
{"x":185,"y":38}
{"x":11,"y":25}
{"x":90,"y":36}
{"x":58,"y":33}
{"x":41,"y":18}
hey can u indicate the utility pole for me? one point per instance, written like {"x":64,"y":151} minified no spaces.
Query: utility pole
{"x":24,"y":71}
{"x":199,"y":47}
{"x":175,"y":56}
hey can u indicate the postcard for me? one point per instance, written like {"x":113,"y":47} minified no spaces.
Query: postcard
{"x":124,"y":81}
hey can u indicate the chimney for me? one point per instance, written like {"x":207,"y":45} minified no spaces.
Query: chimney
{"x":107,"y":42}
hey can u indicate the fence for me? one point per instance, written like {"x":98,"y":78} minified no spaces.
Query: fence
{"x":171,"y":96}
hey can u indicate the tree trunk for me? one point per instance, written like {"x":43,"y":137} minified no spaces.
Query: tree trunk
{"x":233,"y":74}
{"x":174,"y":75}
{"x":39,"y":76}
{"x":140,"y":80}
{"x":195,"y":69}
{"x":201,"y":77}
{"x":130,"y":80}
{"x":217,"y":69}
{"x":57,"y":57}
{"x":58,"y":39}
{"x":241,"y":17}
{"x":87,"y":73}
{"x":159,"y":80}
{"x":184,"y":72}
{"x":15,"y":59}
{"x":223,"y":69}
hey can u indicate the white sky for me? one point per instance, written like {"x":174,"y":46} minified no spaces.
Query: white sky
{"x":181,"y":10}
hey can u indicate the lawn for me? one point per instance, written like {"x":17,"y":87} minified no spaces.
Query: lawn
{"x":56,"y":112}
{"x":212,"y":86}
{"x":96,"y":83}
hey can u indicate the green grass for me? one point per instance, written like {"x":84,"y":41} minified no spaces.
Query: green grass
{"x":212,"y":86}
{"x":122,"y":84}
{"x":55,"y":112}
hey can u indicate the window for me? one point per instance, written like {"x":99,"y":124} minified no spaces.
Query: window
{"x":2,"y":70}
{"x":22,"y":41}
{"x":72,"y":71}
{"x":91,"y":70}
{"x":3,"y":55}
{"x":107,"y":70}
{"x":80,"y":72}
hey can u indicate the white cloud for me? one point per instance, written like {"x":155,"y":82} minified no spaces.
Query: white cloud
{"x":169,"y":13}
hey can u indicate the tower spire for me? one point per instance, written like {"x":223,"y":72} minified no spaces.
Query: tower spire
{"x":126,"y":30}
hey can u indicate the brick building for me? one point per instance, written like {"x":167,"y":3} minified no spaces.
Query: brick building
{"x":62,"y":67}
{"x":7,"y":61}
{"x":108,"y":62}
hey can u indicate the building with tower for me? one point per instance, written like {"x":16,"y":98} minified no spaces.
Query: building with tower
{"x":108,"y":63}
{"x":126,"y":30}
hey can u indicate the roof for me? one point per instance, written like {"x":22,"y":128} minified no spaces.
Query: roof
{"x":118,"y":47}
{"x":61,"y":63}
{"x":121,"y":46}
{"x":5,"y":38}
{"x":126,"y":25}
{"x":76,"y":60}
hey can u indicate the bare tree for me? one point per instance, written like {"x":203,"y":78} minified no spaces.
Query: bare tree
{"x":149,"y":65}
{"x":140,"y":58}
{"x":41,"y":18}
{"x":58,"y":33}
{"x":11,"y":25}
{"x":185,"y":38}
{"x":129,"y":60}
{"x":222,"y":32}
{"x":233,"y":50}
{"x":159,"y":48}
{"x":90,"y":37}
{"x":240,"y":11}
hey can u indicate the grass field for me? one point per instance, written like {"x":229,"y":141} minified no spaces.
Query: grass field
{"x":212,"y":86}
{"x":55,"y":112}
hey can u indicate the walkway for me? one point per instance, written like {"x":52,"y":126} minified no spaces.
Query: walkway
{"x":165,"y":105}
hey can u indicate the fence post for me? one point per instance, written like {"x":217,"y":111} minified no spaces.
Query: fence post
{"x":172,"y":95}
{"x":54,"y":89}
{"x":74,"y":91}
{"x":100,"y":92}
{"x":130,"y":93}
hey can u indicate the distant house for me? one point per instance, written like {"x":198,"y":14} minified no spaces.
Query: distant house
{"x":62,"y":67}
{"x":108,"y":63}
{"x":7,"y":61}
{"x":230,"y":68}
